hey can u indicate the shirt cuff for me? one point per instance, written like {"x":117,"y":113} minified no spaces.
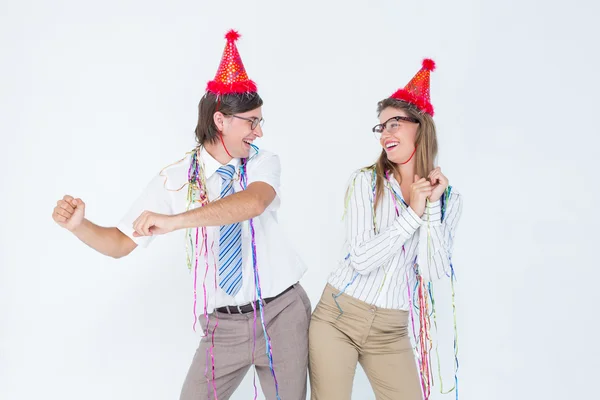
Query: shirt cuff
{"x":433,"y":213}
{"x":142,"y":241}
{"x":408,"y":222}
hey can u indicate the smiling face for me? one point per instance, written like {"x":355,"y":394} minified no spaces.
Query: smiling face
{"x":398,"y":146}
{"x":237,"y":131}
{"x":215,"y":115}
{"x":399,"y":135}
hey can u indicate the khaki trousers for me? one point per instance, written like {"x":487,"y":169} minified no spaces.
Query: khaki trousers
{"x":374,"y":337}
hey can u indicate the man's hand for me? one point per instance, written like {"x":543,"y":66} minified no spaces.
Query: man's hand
{"x":69,"y":213}
{"x":149,"y":224}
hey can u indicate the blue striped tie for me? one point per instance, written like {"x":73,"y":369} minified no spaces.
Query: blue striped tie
{"x":230,"y":242}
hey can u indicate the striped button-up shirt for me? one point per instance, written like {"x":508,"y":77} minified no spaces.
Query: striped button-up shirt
{"x":380,"y":251}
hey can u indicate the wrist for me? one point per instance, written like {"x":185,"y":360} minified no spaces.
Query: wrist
{"x":418,"y":212}
{"x":438,"y":193}
{"x":76,"y":230}
{"x":179,"y":222}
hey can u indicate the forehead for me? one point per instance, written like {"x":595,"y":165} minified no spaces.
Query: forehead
{"x":390,"y":112}
{"x":256,"y":113}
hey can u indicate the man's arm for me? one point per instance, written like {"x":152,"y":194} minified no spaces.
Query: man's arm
{"x":70,"y":214}
{"x":108,"y":241}
{"x":237,"y":207}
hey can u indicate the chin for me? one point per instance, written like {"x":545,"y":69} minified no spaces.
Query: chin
{"x":398,"y":158}
{"x":243,"y":154}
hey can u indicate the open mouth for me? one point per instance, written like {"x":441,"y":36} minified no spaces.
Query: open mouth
{"x":391,"y":145}
{"x":248,"y":142}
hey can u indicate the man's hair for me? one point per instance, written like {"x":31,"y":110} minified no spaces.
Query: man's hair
{"x":228,"y":104}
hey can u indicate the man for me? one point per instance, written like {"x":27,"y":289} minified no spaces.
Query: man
{"x":225,"y":193}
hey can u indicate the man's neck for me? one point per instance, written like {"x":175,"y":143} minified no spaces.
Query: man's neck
{"x":217,"y":151}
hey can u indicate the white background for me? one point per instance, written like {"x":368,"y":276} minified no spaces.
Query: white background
{"x":96,"y":97}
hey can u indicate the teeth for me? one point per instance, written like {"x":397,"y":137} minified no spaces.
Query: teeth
{"x":392,"y":144}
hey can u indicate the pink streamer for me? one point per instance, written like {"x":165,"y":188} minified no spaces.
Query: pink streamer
{"x":254,"y":348}
{"x":212,"y":346}
{"x":205,"y":238}
{"x":195,"y":280}
{"x":269,"y":350}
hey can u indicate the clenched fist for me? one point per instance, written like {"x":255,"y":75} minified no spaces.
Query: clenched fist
{"x":439,"y":184}
{"x":420,"y":190}
{"x":150,"y":223}
{"x":69,"y":212}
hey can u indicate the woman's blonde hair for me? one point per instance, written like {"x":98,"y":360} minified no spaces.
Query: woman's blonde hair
{"x":425,"y":142}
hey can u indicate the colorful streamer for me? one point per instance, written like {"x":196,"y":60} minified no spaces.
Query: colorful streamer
{"x":424,"y":303}
{"x":197,"y":243}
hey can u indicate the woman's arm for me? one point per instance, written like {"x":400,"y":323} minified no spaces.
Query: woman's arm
{"x":369,"y":250}
{"x":437,"y":238}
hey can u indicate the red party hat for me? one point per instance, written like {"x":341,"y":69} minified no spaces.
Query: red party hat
{"x":417,"y":90}
{"x":231,"y":76}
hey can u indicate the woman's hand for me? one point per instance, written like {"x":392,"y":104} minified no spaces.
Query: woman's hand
{"x":439,"y":184}
{"x":420,"y":190}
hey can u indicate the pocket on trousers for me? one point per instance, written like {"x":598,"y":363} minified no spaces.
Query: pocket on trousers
{"x":326,"y":312}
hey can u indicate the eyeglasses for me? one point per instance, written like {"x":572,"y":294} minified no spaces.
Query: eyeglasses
{"x":392,"y":125}
{"x":255,"y":121}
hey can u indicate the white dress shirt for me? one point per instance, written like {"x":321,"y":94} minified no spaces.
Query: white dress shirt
{"x":278,"y":264}
{"x":378,"y":264}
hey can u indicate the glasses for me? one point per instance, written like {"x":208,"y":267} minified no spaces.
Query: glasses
{"x":255,"y":121}
{"x":392,"y":125}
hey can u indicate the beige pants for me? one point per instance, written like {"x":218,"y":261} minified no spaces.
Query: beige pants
{"x":376,"y":338}
{"x":287,"y":319}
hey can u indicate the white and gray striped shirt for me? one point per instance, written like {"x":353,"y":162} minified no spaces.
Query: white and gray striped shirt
{"x":378,"y":261}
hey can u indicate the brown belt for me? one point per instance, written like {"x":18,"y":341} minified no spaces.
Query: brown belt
{"x":246,"y":308}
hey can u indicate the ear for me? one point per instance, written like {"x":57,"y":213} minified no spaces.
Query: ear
{"x":219,"y":120}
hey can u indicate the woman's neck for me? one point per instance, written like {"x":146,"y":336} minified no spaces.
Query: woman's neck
{"x":405,"y":173}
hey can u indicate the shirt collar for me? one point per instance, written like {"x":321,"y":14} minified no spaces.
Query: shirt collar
{"x":211,"y":165}
{"x":397,"y":188}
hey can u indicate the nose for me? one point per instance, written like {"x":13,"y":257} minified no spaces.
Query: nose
{"x":384,"y":136}
{"x":258,"y":131}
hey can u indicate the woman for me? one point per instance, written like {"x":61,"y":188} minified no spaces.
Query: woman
{"x":400,"y":219}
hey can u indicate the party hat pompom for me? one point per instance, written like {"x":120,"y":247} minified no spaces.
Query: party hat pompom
{"x":232,"y":36}
{"x":429,"y":64}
